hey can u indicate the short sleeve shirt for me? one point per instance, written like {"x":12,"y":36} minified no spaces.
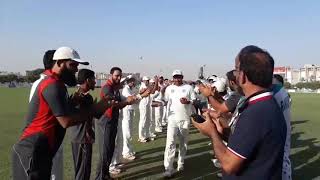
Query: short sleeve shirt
{"x":50,"y":100}
{"x":126,"y":92}
{"x":259,"y":138}
{"x":145,"y":101}
{"x":177,"y":110}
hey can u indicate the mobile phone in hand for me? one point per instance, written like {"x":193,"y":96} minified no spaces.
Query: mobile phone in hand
{"x":197,"y":118}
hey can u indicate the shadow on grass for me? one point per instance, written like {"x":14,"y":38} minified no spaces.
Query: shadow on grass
{"x":305,"y":163}
{"x":191,"y":171}
{"x":298,"y":122}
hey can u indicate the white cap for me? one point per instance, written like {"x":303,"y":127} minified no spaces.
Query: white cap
{"x":123,"y":79}
{"x":214,"y":78}
{"x":130,"y":77}
{"x":220,"y":85}
{"x":151,"y":81}
{"x":68,"y":53}
{"x":177,"y":72}
{"x":145,"y":78}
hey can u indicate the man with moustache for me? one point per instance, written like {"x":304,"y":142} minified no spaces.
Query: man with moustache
{"x":229,"y":104}
{"x":48,"y":116}
{"x":144,"y":111}
{"x":256,"y":141}
{"x":57,"y":162}
{"x":82,"y":135}
{"x":107,"y":125}
{"x":127,"y":121}
{"x":179,"y":98}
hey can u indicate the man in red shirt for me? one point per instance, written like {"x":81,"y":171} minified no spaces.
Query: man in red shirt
{"x":48,"y":116}
{"x":106,"y":128}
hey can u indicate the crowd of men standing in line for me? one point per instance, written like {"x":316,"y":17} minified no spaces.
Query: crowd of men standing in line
{"x":246,"y":117}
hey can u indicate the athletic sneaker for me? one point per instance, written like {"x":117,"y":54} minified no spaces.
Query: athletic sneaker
{"x":129,"y":157}
{"x":168,"y":173}
{"x":219,"y":175}
{"x":153,"y":135}
{"x":158,"y":130}
{"x":216,"y":163}
{"x":142,"y":140}
{"x":114,"y":171}
{"x":120,"y":165}
{"x":180,"y":168}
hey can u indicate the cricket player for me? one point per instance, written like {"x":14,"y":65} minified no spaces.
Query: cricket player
{"x":179,"y":98}
{"x":283,"y":99}
{"x":145,"y":112}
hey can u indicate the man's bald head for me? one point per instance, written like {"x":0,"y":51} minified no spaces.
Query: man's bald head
{"x":257,"y":64}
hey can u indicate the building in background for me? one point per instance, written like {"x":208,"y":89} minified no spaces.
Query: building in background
{"x":308,"y":73}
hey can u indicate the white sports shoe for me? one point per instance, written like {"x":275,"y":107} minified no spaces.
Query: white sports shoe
{"x":153,"y":135}
{"x":168,"y":173}
{"x":142,"y":140}
{"x":158,"y":130}
{"x":219,"y":175}
{"x":180,"y":168}
{"x":115,"y":171}
{"x":129,"y":157}
{"x":216,"y":163}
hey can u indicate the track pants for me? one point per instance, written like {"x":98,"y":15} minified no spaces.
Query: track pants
{"x":106,"y":132}
{"x":82,"y":156}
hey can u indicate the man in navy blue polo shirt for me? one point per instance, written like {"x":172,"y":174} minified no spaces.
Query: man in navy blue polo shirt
{"x":256,"y":143}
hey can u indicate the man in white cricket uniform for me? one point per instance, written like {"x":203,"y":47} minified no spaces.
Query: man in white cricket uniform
{"x":164,"y":114}
{"x":152,"y":127}
{"x":179,"y":98}
{"x":283,"y":99}
{"x":145,"y":111}
{"x":158,"y":110}
{"x":127,"y":122}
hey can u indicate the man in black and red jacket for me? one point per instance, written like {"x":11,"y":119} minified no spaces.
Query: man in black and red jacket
{"x":106,"y":128}
{"x":48,"y":116}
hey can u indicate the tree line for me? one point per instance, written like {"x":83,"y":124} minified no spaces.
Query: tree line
{"x":30,"y":77}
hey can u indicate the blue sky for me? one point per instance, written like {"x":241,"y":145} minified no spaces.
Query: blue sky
{"x":168,"y":34}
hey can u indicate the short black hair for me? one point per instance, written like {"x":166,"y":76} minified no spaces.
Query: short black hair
{"x":257,"y":64}
{"x":230,"y":76}
{"x":115,"y":69}
{"x":84,"y":74}
{"x":48,"y":61}
{"x":279,"y":78}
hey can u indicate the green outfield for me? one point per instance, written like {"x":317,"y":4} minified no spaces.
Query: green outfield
{"x":149,"y":165}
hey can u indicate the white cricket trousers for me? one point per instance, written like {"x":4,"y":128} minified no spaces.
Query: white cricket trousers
{"x":152,"y":121}
{"x":178,"y":130}
{"x":164,"y":115}
{"x":127,"y":128}
{"x":144,"y":122}
{"x":158,"y":113}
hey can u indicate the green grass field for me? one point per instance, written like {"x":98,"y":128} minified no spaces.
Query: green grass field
{"x":149,"y":165}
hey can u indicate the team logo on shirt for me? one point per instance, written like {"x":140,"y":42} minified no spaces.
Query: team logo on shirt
{"x":184,"y":90}
{"x":172,"y":90}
